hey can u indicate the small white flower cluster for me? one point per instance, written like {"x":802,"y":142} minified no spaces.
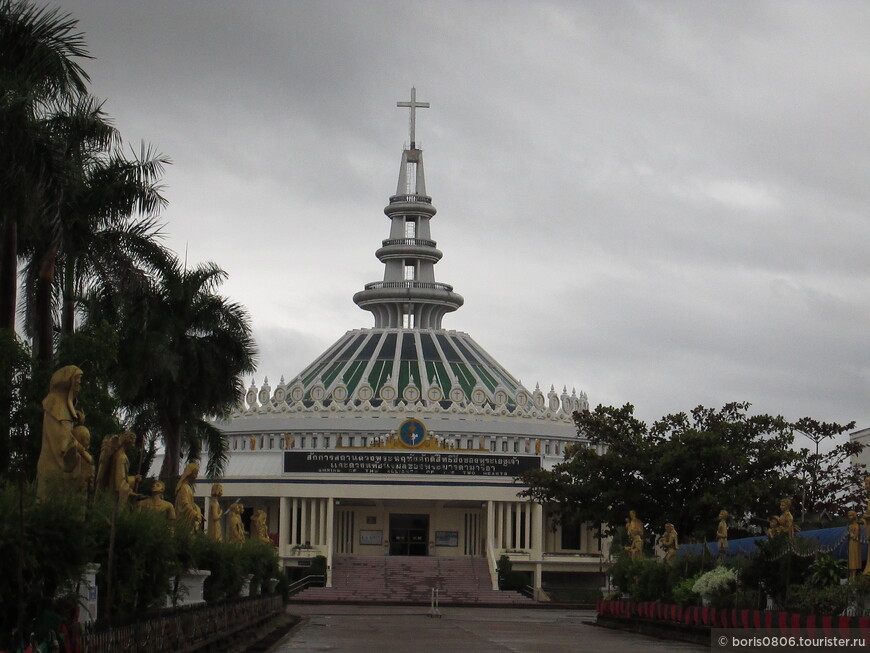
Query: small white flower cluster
{"x":715,"y":581}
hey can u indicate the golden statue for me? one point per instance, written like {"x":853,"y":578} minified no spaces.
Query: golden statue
{"x":84,"y":471}
{"x":786,"y":521}
{"x":635,"y":525}
{"x":853,"y":532}
{"x":186,"y":510}
{"x":157,"y":503}
{"x":773,"y":529}
{"x":635,"y":551}
{"x":235,"y":528}
{"x":59,"y":456}
{"x":669,"y":543}
{"x":216,"y":513}
{"x":259,"y":528}
{"x":722,"y":534}
{"x":114,"y":473}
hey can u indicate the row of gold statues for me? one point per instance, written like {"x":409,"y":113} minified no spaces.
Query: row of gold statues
{"x":65,"y":466}
{"x":782,"y":524}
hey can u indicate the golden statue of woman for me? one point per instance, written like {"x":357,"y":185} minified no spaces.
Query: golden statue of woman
{"x":59,"y":455}
{"x":722,"y":534}
{"x":259,"y":528}
{"x":157,"y":503}
{"x":786,"y":521}
{"x":235,"y":528}
{"x":216,"y":513}
{"x":84,"y":470}
{"x":853,"y":532}
{"x":186,"y":510}
{"x":669,"y":543}
{"x":114,"y":475}
{"x":635,"y":525}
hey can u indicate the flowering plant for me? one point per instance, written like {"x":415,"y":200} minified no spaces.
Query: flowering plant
{"x":717,"y":581}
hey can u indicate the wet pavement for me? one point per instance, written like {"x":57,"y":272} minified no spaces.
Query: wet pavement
{"x":397,"y":629}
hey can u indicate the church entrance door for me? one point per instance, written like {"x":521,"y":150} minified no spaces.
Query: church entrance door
{"x":409,"y":535}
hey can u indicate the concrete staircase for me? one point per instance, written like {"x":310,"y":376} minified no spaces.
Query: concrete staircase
{"x":400,"y":579}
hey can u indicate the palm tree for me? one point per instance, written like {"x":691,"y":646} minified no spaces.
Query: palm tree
{"x":38,"y":76}
{"x":181,"y":354}
{"x":95,"y":239}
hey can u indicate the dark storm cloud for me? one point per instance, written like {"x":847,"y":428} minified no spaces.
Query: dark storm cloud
{"x":657,"y":202}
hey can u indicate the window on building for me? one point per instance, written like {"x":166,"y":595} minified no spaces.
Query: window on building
{"x":516,"y":447}
{"x":409,"y":272}
{"x":547,"y":448}
{"x":271,"y":443}
{"x":408,"y":320}
{"x":314,"y":442}
{"x":410,"y":228}
{"x":351,"y":441}
{"x":504,"y":446}
{"x":302,"y":442}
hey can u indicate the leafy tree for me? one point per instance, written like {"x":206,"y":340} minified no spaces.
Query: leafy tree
{"x":181,"y":354}
{"x":830,"y":483}
{"x":39,"y":78}
{"x":683,"y":469}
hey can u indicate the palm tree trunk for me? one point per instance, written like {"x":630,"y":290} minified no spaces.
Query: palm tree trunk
{"x":68,"y":312}
{"x":44,"y":322}
{"x":9,"y":273}
{"x":172,"y":445}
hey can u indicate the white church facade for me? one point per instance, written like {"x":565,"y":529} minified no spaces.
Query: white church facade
{"x":406,"y":439}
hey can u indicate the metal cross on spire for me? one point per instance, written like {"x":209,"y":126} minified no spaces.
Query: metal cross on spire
{"x":413,"y":105}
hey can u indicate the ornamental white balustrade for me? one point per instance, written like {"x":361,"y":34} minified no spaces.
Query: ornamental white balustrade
{"x":316,"y":397}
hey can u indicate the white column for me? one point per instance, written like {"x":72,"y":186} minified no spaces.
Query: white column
{"x":490,"y":528}
{"x":283,"y":525}
{"x":527,"y":543}
{"x":517,"y":539}
{"x":330,"y":532}
{"x":303,"y":522}
{"x":324,"y":509}
{"x":294,"y":522}
{"x":497,"y":534}
{"x":537,"y":531}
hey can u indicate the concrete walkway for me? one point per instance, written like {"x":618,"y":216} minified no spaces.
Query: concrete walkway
{"x":386,"y":629}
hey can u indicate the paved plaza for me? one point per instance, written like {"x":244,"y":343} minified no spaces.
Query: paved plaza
{"x":382,"y":629}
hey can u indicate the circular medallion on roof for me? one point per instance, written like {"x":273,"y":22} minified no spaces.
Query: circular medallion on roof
{"x":263,"y":396}
{"x":412,"y":433}
{"x":297,"y":392}
{"x":388,"y":393}
{"x":478,"y":396}
{"x":522,"y":398}
{"x":251,"y":397}
{"x":280,"y":394}
{"x":411,"y":392}
{"x":500,"y":397}
{"x":365,"y":392}
{"x":318,"y":392}
{"x":434,"y":393}
{"x":339,"y":392}
{"x":456,"y":395}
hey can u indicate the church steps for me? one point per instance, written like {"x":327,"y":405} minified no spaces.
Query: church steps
{"x":460,"y":581}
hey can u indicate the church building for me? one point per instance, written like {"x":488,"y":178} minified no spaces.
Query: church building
{"x":406,"y":439}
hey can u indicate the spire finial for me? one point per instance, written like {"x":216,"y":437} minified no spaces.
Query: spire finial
{"x":413,"y":105}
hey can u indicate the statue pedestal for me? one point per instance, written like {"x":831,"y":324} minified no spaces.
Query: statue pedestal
{"x":190,"y":588}
{"x":270,"y":585}
{"x":88,"y":594}
{"x":246,"y":586}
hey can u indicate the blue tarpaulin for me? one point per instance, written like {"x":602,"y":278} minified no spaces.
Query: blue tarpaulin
{"x":828,"y":540}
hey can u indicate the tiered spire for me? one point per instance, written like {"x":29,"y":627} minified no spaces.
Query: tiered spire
{"x":409,"y":297}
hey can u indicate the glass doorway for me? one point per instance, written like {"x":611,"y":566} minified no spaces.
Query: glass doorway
{"x":409,"y":535}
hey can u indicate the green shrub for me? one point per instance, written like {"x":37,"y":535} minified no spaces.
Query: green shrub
{"x":683,"y":594}
{"x":812,"y":599}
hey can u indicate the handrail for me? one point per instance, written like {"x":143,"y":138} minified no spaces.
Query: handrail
{"x":528,"y":590}
{"x":410,"y":199}
{"x":376,"y":285}
{"x":419,"y":242}
{"x":490,"y":562}
{"x":303,"y":583}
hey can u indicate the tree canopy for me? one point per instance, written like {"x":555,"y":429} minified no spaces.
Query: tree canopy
{"x":682,"y":469}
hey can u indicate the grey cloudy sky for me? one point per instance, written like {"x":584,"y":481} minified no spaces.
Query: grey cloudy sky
{"x":663,"y":203}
